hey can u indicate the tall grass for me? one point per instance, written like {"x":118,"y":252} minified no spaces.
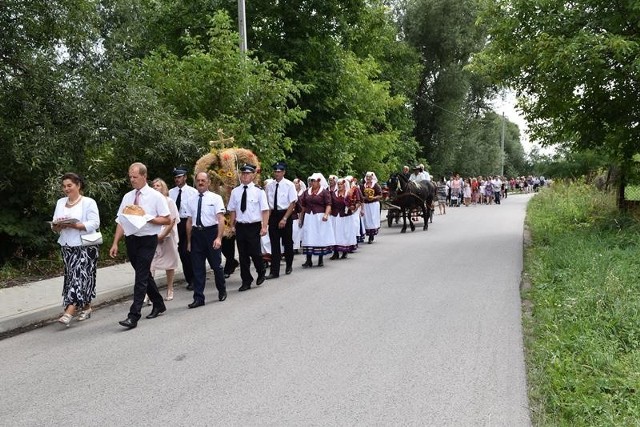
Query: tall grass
{"x":583,"y":332}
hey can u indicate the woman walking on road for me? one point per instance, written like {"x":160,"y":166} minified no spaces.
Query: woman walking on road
{"x":74,"y":216}
{"x":167,"y":257}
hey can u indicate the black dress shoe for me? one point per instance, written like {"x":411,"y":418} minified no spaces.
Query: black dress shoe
{"x":189,"y":287}
{"x":288,"y":270}
{"x":244,"y":288}
{"x":307,"y":264}
{"x":271,"y":276}
{"x":260,"y":280}
{"x":320,"y":263}
{"x":155,"y":312}
{"x":195,"y":304}
{"x":334,"y":256}
{"x":222,"y":295}
{"x":129,"y":323}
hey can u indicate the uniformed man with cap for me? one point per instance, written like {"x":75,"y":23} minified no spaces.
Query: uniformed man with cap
{"x":249,"y":216}
{"x":181,"y":194}
{"x":282,"y":198}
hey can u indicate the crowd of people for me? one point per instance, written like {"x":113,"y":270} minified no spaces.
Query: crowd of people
{"x":162,"y":227}
{"x":457,"y":191}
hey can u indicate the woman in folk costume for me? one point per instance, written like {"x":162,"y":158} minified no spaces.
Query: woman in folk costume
{"x":343,"y":225}
{"x":297,"y":231}
{"x":356,"y":198}
{"x":317,"y":231}
{"x":372,"y":193}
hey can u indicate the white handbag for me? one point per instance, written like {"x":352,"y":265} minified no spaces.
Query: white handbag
{"x":91,"y":239}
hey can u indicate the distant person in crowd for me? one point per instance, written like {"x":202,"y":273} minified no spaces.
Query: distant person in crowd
{"x":249,"y":219}
{"x":371,"y":216}
{"x":406,"y":171}
{"x":415,"y":176}
{"x":74,"y":216}
{"x":166,"y":257}
{"x":317,"y":231}
{"x":180,"y":194}
{"x":423,"y":174}
{"x":282,"y":198}
{"x":442,"y":190}
{"x":141,"y":242}
{"x":466,"y":192}
{"x":496,"y":184}
{"x":205,"y":226}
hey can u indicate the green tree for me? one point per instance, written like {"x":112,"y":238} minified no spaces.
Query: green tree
{"x":574,"y":67}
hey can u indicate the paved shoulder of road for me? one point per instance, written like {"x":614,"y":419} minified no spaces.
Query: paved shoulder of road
{"x":35,"y":303}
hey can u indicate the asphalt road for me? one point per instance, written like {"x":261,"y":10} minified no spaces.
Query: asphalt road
{"x":420,"y":329}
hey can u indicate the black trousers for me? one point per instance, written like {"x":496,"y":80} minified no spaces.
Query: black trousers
{"x":249,"y":249}
{"x":185,"y":257}
{"x":229,"y":252}
{"x":140,"y":250}
{"x":276,"y":235}
{"x":201,"y":252}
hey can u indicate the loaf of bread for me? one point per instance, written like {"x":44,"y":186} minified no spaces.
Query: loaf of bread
{"x":133,"y":210}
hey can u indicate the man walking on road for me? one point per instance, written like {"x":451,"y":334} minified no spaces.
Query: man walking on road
{"x":249,"y":219}
{"x":282,"y":198}
{"x":141,"y":241}
{"x":205,"y":225}
{"x":181,"y":194}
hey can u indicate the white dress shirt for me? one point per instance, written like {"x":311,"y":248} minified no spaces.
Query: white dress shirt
{"x":187,"y":193}
{"x":256,"y":203}
{"x":212,"y":205}
{"x":287,"y":193}
{"x":153,"y":202}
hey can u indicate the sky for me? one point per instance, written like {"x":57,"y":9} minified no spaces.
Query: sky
{"x":507,"y":104}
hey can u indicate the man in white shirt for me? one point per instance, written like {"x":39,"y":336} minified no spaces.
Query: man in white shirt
{"x":280,"y":221}
{"x":205,"y":226}
{"x":423,"y":174}
{"x":415,"y":176}
{"x":141,"y":243}
{"x":249,"y":216}
{"x":496,"y":183}
{"x":181,"y":194}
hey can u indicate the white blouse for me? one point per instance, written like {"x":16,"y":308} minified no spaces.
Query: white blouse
{"x":86,"y":212}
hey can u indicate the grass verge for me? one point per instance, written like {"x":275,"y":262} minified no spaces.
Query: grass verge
{"x":583,"y":331}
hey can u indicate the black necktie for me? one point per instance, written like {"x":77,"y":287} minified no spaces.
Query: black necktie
{"x":198,"y":219}
{"x":275,"y":198}
{"x":179,"y":199}
{"x":243,"y":201}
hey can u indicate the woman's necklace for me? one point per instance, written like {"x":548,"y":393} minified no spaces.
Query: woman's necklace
{"x":71,"y":204}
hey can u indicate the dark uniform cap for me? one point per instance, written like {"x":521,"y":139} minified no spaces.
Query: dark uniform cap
{"x":247,"y":168}
{"x":279,"y":166}
{"x":179,"y":171}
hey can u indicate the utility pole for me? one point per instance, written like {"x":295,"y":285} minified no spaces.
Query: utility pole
{"x":502,"y":145}
{"x":242,"y":26}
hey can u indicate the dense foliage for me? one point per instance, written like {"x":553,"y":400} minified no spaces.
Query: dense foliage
{"x":574,"y":66}
{"x":333,"y":86}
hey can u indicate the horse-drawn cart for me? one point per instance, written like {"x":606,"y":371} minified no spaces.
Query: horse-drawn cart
{"x":410,"y":201}
{"x":394,"y":214}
